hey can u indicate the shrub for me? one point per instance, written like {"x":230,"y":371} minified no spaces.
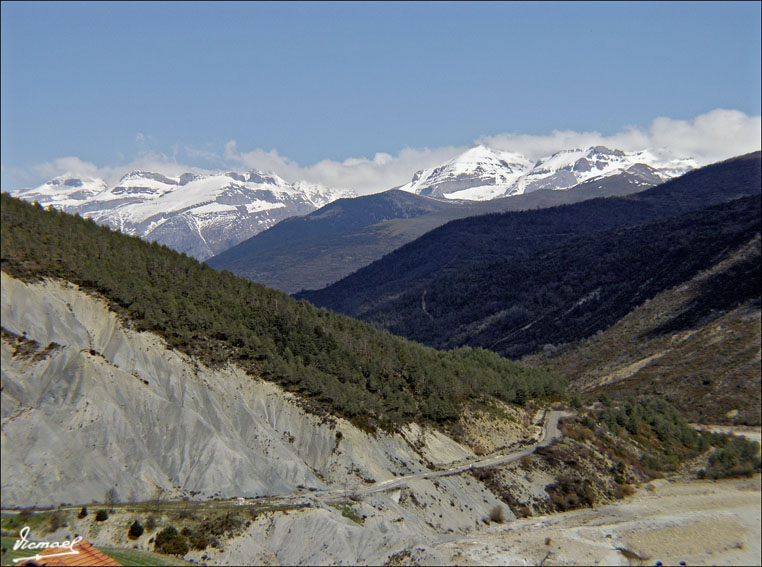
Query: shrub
{"x":221,"y":525}
{"x":497,"y":515}
{"x":737,"y":458}
{"x":82,"y":513}
{"x":55,"y":521}
{"x":570,"y":493}
{"x":150,"y":523}
{"x":136,"y":530}
{"x":199,"y":540}
{"x":170,"y":542}
{"x":623,"y":490}
{"x":101,"y":516}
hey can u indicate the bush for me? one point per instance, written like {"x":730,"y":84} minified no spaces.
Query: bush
{"x":150,"y":523}
{"x":497,"y":515}
{"x":570,"y":493}
{"x":170,"y":542}
{"x":101,"y":516}
{"x":737,"y":458}
{"x":623,"y":490}
{"x":82,"y":513}
{"x":136,"y":530}
{"x":55,"y":521}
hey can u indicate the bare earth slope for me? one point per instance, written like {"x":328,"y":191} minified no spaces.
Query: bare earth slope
{"x":698,"y":522}
{"x":91,"y":391}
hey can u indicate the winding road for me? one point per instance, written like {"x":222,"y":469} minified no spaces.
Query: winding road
{"x":550,"y":434}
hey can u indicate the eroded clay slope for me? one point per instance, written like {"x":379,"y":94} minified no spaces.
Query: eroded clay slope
{"x":88,"y":405}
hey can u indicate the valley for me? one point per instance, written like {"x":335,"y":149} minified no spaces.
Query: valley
{"x":380,"y":283}
{"x":243,"y":426}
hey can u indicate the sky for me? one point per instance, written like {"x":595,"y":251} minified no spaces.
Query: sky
{"x":362,"y":95}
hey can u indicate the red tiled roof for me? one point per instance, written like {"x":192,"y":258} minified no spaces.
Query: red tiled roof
{"x":87,"y":556}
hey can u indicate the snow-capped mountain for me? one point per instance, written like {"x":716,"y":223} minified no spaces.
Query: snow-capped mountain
{"x":201,"y":215}
{"x":481,"y":173}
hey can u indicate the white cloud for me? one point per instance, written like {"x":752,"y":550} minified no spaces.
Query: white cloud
{"x":150,"y":161}
{"x":363,"y":175}
{"x":710,"y":137}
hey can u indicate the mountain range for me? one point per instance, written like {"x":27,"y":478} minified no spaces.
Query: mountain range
{"x":343,"y":236}
{"x":200,"y":215}
{"x":203,"y":215}
{"x":319,"y":249}
{"x":482,"y":173}
{"x":517,"y":281}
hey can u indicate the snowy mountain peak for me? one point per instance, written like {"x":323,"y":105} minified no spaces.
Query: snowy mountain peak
{"x":199,"y":214}
{"x":140,"y":174}
{"x":482,"y":173}
{"x":479,"y":173}
{"x":64,"y":190}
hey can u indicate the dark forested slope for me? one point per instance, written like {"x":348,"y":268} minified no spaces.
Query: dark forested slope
{"x":320,"y":248}
{"x":572,"y":290}
{"x":482,"y":280}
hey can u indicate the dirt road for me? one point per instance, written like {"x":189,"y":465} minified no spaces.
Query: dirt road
{"x":550,"y":434}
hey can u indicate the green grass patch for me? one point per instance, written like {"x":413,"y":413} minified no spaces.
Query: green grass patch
{"x":38,"y":522}
{"x":139,"y":558}
{"x":9,"y":554}
{"x":348,"y":511}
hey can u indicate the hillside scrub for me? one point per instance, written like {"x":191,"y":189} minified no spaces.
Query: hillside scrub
{"x":654,"y":437}
{"x":338,"y":364}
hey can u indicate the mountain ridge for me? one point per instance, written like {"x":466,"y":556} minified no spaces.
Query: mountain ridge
{"x":319,"y":249}
{"x":200,"y":215}
{"x":481,"y":173}
{"x":395,"y":285}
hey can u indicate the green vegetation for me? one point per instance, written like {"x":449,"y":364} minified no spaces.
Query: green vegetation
{"x":340,"y":365}
{"x":38,"y":522}
{"x":123,"y":556}
{"x":653,"y":437}
{"x":9,"y":554}
{"x":180,"y":524}
{"x":101,"y":516}
{"x":739,"y":457}
{"x":348,"y":511}
{"x":137,"y":558}
{"x":136,"y":530}
{"x":170,"y":542}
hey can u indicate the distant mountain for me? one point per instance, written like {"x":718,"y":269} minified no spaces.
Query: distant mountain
{"x":200,"y":215}
{"x":481,"y":173}
{"x":321,"y":248}
{"x":477,"y":281}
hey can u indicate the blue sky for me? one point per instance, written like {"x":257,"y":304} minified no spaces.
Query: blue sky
{"x":301,"y":86}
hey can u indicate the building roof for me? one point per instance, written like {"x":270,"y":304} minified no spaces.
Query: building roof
{"x":87,"y":556}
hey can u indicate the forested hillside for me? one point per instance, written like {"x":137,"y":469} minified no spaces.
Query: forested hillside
{"x":319,"y":249}
{"x":571,"y":291}
{"x":338,"y":364}
{"x":517,"y":281}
